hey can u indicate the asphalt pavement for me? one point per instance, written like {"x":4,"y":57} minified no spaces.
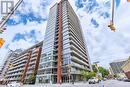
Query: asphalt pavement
{"x":108,"y":83}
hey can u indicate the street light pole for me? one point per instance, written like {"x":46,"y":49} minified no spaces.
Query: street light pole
{"x":51,"y":70}
{"x":69,"y":74}
{"x":68,"y":71}
{"x":113,"y":10}
{"x":111,"y":25}
{"x":51,"y":73}
{"x":96,"y":65}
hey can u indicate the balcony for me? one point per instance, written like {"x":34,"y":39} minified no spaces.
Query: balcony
{"x":78,"y":65}
{"x":78,"y":60}
{"x":79,"y":54}
{"x":15,"y":70}
{"x":20,"y":62}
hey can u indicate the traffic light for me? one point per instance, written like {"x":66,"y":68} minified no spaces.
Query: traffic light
{"x":2,"y":30}
{"x":2,"y":41}
{"x":112,"y":27}
{"x":4,"y":17}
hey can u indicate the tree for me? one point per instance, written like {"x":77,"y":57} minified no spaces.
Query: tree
{"x":92,"y":74}
{"x":87,"y":75}
{"x":31,"y":79}
{"x":94,"y":68}
{"x":83,"y":73}
{"x":116,"y":76}
{"x":103,"y":71}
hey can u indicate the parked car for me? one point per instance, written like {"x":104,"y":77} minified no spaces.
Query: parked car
{"x":126,"y":80}
{"x":14,"y":84}
{"x":104,"y":79}
{"x":120,"y":79}
{"x":93,"y":81}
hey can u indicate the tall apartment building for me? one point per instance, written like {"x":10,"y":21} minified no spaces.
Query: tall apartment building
{"x":24,"y":64}
{"x":64,"y":52}
{"x":9,"y":55}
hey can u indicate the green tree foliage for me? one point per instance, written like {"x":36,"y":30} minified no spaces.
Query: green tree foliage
{"x":31,"y":79}
{"x":87,"y":75}
{"x":116,"y":76}
{"x":102,"y":70}
{"x":94,"y":68}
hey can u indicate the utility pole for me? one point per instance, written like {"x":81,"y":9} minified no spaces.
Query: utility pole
{"x":6,"y":18}
{"x":111,"y":25}
{"x":9,"y":14}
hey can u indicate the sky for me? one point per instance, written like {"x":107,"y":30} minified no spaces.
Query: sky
{"x":28,"y":24}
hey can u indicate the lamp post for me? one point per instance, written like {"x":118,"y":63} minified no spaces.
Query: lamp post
{"x":96,"y":65}
{"x":68,"y":71}
{"x":51,"y":70}
{"x":98,"y":73}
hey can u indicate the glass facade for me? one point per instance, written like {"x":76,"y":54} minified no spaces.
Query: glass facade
{"x":116,"y":67}
{"x":74,"y":57}
{"x":47,"y":62}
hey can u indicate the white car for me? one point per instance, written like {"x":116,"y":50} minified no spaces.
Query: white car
{"x":14,"y":84}
{"x":93,"y":81}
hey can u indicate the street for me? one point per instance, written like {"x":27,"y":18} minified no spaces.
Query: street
{"x":108,"y":83}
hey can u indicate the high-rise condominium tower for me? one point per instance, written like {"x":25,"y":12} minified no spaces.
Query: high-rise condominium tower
{"x":64,"y":52}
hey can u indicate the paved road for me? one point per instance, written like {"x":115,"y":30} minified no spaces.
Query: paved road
{"x":108,"y":83}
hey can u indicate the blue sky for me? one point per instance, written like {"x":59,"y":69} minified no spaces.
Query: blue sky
{"x":27,"y":26}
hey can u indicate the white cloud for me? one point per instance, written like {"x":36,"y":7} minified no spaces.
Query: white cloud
{"x":20,"y":44}
{"x":38,"y":8}
{"x":13,"y":30}
{"x":103,"y":45}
